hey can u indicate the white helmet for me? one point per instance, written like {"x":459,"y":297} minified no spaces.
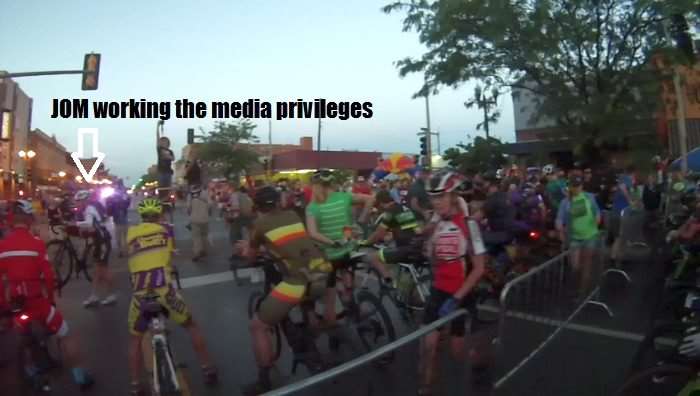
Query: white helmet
{"x":548,"y":169}
{"x":499,"y":174}
{"x":22,"y":206}
{"x":81,"y":195}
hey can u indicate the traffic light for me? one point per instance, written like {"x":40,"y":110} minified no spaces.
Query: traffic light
{"x":423,"y":145}
{"x":91,"y":71}
{"x":190,"y":136}
{"x":679,"y":31}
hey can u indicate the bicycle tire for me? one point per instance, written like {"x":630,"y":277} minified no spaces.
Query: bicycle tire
{"x":646,"y":381}
{"x":164,"y":371}
{"x":641,"y":358}
{"x":63,"y":272}
{"x":364,"y":318}
{"x":254,"y":302}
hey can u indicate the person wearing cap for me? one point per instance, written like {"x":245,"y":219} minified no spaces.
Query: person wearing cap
{"x":577,"y":222}
{"x":199,"y":208}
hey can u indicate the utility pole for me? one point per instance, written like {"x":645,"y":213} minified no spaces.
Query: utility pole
{"x":438,"y":141}
{"x":429,"y":152}
{"x":318,"y":143}
{"x":680,"y":109}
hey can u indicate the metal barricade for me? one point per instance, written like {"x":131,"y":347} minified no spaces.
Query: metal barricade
{"x":535,"y":308}
{"x":363,"y":360}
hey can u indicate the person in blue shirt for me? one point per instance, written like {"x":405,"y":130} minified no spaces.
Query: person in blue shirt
{"x":623,"y":197}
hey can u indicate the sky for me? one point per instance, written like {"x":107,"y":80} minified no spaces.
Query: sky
{"x":232,"y":50}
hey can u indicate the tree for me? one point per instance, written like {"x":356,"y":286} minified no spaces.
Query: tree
{"x":478,"y":156}
{"x":585,"y":63}
{"x":225,"y":147}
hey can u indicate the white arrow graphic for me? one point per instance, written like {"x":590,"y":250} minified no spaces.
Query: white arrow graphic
{"x":81,"y":152}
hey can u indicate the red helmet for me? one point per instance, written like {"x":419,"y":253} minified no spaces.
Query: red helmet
{"x":443,"y":182}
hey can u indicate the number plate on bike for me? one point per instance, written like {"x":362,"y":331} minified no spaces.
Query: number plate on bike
{"x":152,"y":279}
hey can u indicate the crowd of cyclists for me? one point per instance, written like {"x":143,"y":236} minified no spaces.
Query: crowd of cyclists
{"x":462,"y":226}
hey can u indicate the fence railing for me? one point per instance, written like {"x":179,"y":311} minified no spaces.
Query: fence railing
{"x":365,"y":359}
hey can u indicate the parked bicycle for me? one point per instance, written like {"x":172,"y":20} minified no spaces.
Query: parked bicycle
{"x":65,"y":256}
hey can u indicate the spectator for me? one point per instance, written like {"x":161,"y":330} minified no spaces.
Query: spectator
{"x":239,"y":215}
{"x":359,"y":187}
{"x":577,"y":222}
{"x":622,"y":198}
{"x":651,"y":197}
{"x":164,"y":166}
{"x":118,"y":206}
{"x":193,"y":172}
{"x":199,"y":208}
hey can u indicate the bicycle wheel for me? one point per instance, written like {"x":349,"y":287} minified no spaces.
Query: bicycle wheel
{"x":373,"y":324}
{"x":62,"y":259}
{"x":660,"y":344}
{"x":254,"y":301}
{"x":165,"y":374}
{"x":667,"y":379}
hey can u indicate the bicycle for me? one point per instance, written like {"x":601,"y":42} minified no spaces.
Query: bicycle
{"x":167,"y":377}
{"x":64,"y":255}
{"x":36,"y":345}
{"x":369,"y":319}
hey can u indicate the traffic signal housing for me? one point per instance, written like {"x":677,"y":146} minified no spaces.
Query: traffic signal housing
{"x":91,"y":71}
{"x":190,"y":136}
{"x":423,"y":146}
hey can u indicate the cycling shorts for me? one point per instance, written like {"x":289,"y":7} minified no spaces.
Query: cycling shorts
{"x":432,"y":309}
{"x":101,"y":249}
{"x":412,"y":254}
{"x":285,"y":296}
{"x":41,"y":310}
{"x":169,"y":298}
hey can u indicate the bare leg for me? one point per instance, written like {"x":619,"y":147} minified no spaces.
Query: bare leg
{"x":428,"y":358}
{"x":262,"y":342}
{"x":198,"y":343}
{"x":135,"y":356}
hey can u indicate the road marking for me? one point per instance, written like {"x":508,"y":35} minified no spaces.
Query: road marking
{"x":209,"y":279}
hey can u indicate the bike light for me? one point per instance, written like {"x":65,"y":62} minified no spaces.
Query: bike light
{"x":106,"y":192}
{"x":534,"y":235}
{"x":172,"y":196}
{"x":21,"y":193}
{"x":23,"y":317}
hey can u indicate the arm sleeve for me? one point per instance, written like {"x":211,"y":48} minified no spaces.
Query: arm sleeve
{"x":90,"y":216}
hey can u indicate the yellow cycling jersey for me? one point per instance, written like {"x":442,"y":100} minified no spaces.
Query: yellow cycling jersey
{"x":150,"y":249}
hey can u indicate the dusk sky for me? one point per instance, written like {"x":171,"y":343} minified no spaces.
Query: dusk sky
{"x":231,"y":50}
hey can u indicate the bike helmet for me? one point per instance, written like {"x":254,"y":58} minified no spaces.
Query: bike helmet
{"x":443,"y":182}
{"x":22,"y":206}
{"x":150,"y":207}
{"x":322,"y":176}
{"x":548,"y":169}
{"x":266,"y":197}
{"x":82,"y":195}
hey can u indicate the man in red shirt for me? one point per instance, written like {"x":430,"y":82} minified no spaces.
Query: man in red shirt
{"x":360,"y":187}
{"x":26,"y":275}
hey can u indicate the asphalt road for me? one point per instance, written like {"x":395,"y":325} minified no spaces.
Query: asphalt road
{"x":589,"y":358}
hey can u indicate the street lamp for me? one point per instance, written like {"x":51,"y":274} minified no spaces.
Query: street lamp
{"x":27,"y":156}
{"x":61,"y":174}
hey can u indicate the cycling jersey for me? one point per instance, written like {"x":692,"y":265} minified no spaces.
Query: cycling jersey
{"x":401,"y":221}
{"x":25,"y":265}
{"x":150,"y":248}
{"x":332,"y":217}
{"x":451,"y":241}
{"x":27,"y":273}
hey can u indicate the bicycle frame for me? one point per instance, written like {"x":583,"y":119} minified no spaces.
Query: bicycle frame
{"x":160,"y":340}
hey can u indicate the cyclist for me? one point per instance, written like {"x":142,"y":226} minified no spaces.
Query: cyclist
{"x":94,"y":221}
{"x":457,"y":252}
{"x":404,"y":227}
{"x":327,"y":216}
{"x":30,"y":279}
{"x":150,"y":251}
{"x":282,"y":233}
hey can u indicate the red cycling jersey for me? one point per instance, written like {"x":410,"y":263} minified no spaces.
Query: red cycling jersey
{"x":25,"y":266}
{"x":448,"y":246}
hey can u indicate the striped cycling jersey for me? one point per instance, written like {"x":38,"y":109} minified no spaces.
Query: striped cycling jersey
{"x":332,"y":217}
{"x":150,"y":248}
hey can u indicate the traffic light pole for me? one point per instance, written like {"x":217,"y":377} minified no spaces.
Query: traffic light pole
{"x":43,"y":73}
{"x":429,"y":154}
